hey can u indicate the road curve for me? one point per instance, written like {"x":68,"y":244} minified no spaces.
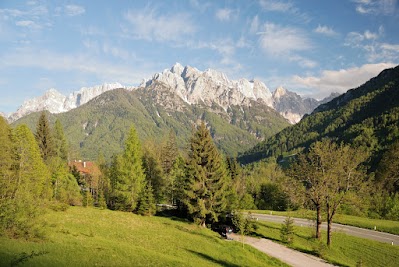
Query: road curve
{"x":350,"y":230}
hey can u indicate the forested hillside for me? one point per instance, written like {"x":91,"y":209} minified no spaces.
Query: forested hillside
{"x":101,"y":124}
{"x":365,"y":117}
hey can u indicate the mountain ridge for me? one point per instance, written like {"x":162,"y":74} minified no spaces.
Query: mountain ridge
{"x":192,"y":86}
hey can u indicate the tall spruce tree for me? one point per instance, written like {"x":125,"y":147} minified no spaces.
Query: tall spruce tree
{"x":44,"y":137}
{"x":205,"y":192}
{"x":60,"y":143}
{"x":146,"y":205}
{"x":128,"y":177}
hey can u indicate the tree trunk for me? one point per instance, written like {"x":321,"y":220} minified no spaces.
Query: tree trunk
{"x":318,"y":221}
{"x":330,"y":215}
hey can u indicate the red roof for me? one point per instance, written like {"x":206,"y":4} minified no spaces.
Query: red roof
{"x":85,"y":167}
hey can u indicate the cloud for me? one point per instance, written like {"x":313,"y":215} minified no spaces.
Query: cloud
{"x":254,"y":27}
{"x":151,"y":25}
{"x":376,"y":7}
{"x":325,"y":30}
{"x":28,"y":24}
{"x":340,"y":80}
{"x":74,"y":10}
{"x":371,"y":47}
{"x":277,"y":40}
{"x":81,"y":63}
{"x":225,"y":14}
{"x":284,"y":7}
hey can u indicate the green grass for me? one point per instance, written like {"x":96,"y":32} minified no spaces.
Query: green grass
{"x":362,"y":222}
{"x":345,"y":250}
{"x":93,"y":237}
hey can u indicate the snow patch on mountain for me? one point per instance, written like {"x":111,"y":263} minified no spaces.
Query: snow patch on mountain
{"x":55,"y":102}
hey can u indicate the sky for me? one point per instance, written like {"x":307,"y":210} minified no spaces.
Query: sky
{"x":311,"y":47}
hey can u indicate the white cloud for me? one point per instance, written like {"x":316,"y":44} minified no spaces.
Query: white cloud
{"x":74,"y":10}
{"x":151,"y":25}
{"x":370,"y":46}
{"x":340,"y":80}
{"x":277,"y":40}
{"x":28,"y":24}
{"x":225,"y":14}
{"x":376,"y":7}
{"x":81,"y":63}
{"x":325,"y":30}
{"x":254,"y":27}
{"x":284,"y":7}
{"x":273,"y":5}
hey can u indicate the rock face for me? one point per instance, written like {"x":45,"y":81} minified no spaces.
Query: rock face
{"x":55,"y":102}
{"x":209,"y":87}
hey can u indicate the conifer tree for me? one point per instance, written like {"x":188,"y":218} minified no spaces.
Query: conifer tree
{"x":44,"y":137}
{"x":27,"y":189}
{"x":146,"y":205}
{"x":60,"y":143}
{"x":205,"y":194}
{"x":128,"y":175}
{"x":153,"y":172}
{"x":169,"y":152}
{"x":7,"y":161}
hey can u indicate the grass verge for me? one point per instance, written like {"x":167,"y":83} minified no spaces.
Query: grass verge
{"x":362,"y":222}
{"x":345,"y":250}
{"x":93,"y":237}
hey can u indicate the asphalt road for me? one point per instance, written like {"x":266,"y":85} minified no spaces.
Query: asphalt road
{"x":350,"y":230}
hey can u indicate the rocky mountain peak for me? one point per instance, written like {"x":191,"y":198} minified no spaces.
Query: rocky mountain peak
{"x":279,"y":92}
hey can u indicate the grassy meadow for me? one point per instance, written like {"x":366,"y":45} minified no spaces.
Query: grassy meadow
{"x":362,"y":222}
{"x":93,"y":237}
{"x":345,"y":250}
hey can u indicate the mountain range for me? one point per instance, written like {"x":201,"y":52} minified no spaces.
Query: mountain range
{"x":209,"y":87}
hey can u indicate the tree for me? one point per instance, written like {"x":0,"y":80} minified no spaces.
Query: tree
{"x":61,"y":148}
{"x":243,"y":224}
{"x":205,"y":195}
{"x":127,"y":177}
{"x":287,"y":230}
{"x":146,"y":205}
{"x":387,"y":173}
{"x":328,"y":172}
{"x":169,"y":152}
{"x":27,"y":185}
{"x":44,"y":137}
{"x":153,"y":172}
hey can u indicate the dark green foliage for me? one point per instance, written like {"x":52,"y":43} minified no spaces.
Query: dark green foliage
{"x":146,"y":205}
{"x":272,"y":197}
{"x":153,"y":173}
{"x":387,"y":174}
{"x":205,"y":191}
{"x":287,"y":231}
{"x":45,"y":138}
{"x":367,"y":117}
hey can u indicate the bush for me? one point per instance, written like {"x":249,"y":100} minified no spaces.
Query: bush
{"x":287,"y":231}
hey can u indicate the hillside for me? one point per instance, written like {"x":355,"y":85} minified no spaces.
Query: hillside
{"x":100,"y":125}
{"x":367,"y":116}
{"x":93,"y":237}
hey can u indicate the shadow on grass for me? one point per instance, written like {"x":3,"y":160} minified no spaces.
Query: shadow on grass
{"x":213,"y":260}
{"x":23,"y":257}
{"x":254,"y":234}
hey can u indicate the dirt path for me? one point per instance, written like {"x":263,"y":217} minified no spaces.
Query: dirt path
{"x":287,"y":255}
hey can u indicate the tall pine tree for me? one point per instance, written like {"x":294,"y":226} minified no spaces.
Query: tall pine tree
{"x":128,"y":177}
{"x":44,"y":138}
{"x":60,"y":144}
{"x":205,"y":191}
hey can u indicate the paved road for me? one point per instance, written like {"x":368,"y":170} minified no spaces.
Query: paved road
{"x":350,"y":230}
{"x":287,"y":255}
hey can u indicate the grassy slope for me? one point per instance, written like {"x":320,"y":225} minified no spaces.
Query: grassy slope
{"x":345,"y":250}
{"x":381,"y":225}
{"x":93,"y":237}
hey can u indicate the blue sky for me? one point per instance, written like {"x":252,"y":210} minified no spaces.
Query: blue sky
{"x":311,"y":47}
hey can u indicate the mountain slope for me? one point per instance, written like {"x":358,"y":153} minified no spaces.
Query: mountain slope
{"x":367,"y":116}
{"x":101,"y":124}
